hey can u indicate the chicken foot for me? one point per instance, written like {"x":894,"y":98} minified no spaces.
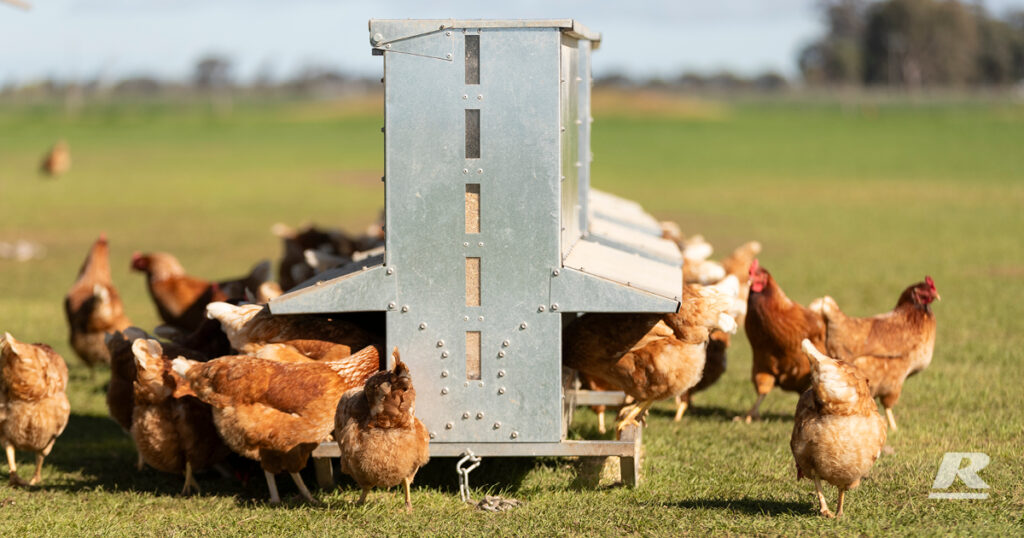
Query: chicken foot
{"x":631,"y":414}
{"x":190,"y":480}
{"x":753,"y":414}
{"x":889,"y":416}
{"x":822,"y":504}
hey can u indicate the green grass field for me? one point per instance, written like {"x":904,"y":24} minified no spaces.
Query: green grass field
{"x":853,"y":200}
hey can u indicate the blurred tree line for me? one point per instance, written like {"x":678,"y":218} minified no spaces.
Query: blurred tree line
{"x":914,"y":44}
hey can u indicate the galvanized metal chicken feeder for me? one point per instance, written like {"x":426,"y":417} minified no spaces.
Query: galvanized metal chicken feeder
{"x":495,"y":239}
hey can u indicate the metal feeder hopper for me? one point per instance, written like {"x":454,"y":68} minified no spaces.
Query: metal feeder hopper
{"x":494,"y":238}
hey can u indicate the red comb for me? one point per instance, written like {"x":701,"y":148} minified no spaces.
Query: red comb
{"x":103,"y":237}
{"x":931,"y":283}
{"x":754,"y":266}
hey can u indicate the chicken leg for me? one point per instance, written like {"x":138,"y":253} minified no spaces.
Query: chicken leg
{"x":842,"y":497}
{"x":600,"y":422}
{"x":14,"y":479}
{"x":753,"y":414}
{"x":38,"y":475}
{"x":275,"y":498}
{"x":406,"y":483}
{"x":362,"y":498}
{"x":297,"y":478}
{"x":822,"y":504}
{"x":683,"y":403}
{"x":889,"y":416}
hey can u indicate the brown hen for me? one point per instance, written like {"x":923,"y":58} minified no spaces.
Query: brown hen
{"x":93,"y":307}
{"x":775,"y":326}
{"x":173,"y":435}
{"x":34,"y":409}
{"x":888,"y":347}
{"x":382,"y":442}
{"x":274,"y":412}
{"x":838,"y":433}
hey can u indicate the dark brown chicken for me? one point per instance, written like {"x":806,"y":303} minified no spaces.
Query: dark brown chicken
{"x":173,"y":435}
{"x":180,"y":298}
{"x":888,"y":347}
{"x":274,"y":412}
{"x":837,"y":432}
{"x":93,"y":307}
{"x":34,"y":409}
{"x":775,"y":326}
{"x":382,"y":442}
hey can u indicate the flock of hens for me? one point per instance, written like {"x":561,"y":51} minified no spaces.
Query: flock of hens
{"x":230,"y":377}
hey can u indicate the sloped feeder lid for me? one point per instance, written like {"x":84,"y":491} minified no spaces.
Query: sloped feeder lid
{"x":362,"y":286}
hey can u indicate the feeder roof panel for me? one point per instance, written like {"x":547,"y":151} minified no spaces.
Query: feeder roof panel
{"x":627,"y":269}
{"x":390,"y":30}
{"x":627,"y":212}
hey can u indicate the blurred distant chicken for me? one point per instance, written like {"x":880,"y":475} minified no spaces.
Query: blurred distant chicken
{"x":251,"y":327}
{"x":93,"y":307}
{"x":886,"y":348}
{"x":648,"y":356}
{"x":775,"y":326}
{"x":173,"y":435}
{"x":181,"y":299}
{"x":274,"y":412}
{"x":837,"y":433}
{"x":382,"y":442}
{"x":57,"y":161}
{"x":34,"y":409}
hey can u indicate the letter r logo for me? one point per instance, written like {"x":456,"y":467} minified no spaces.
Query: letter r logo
{"x":950,"y":469}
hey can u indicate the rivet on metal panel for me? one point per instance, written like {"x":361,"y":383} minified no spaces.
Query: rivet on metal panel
{"x":444,"y":373}
{"x":480,"y":244}
{"x":444,"y":354}
{"x":506,"y":343}
{"x":464,"y":96}
{"x":466,"y":384}
{"x":433,"y":435}
{"x":579,"y":79}
{"x":319,"y":282}
{"x":465,"y":415}
{"x":449,"y":426}
{"x":405,"y":308}
{"x":377,"y":38}
{"x":515,"y":435}
{"x":479,"y":97}
{"x":501,"y":354}
{"x":423,"y":325}
{"x":481,"y":318}
{"x":480,"y":415}
{"x":390,"y":271}
{"x":449,"y":56}
{"x":440,"y":343}
{"x":480,"y":384}
{"x":388,"y":46}
{"x":465,"y":170}
{"x":540,"y":308}
{"x":479,"y":170}
{"x":391,"y":305}
{"x":555,"y":272}
{"x":444,"y":390}
{"x":522,"y":326}
{"x":554,"y":307}
{"x":448,"y":33}
{"x":465,"y":243}
{"x":578,"y":164}
{"x":497,"y":425}
{"x":563,"y":128}
{"x":579,"y":122}
{"x":501,"y":373}
{"x":501,"y":390}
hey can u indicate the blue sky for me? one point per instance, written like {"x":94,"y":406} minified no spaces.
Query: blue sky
{"x":115,"y":38}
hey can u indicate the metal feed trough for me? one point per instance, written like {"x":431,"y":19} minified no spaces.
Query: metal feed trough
{"x":495,"y":240}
